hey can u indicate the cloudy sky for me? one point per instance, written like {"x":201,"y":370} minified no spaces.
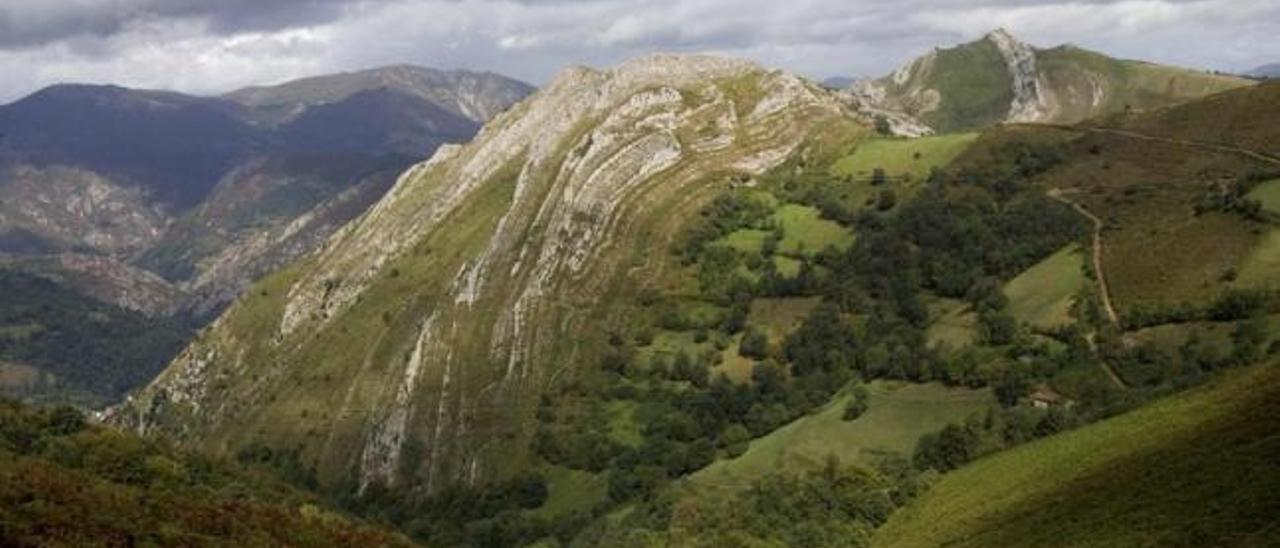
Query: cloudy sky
{"x":208,"y":46}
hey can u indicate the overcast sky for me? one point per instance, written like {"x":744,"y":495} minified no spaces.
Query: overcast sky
{"x":209,"y":46}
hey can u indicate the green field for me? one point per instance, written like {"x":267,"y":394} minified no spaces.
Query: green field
{"x":912,"y":158}
{"x":806,"y":233}
{"x":570,"y":491}
{"x":1042,"y":295}
{"x":746,"y":240}
{"x":954,"y":323}
{"x":1261,"y":268}
{"x":899,"y":414}
{"x":1196,"y":469}
{"x":1269,"y":194}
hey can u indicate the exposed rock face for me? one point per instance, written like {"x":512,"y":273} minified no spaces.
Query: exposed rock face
{"x":70,"y":208}
{"x":1002,"y":79}
{"x":1029,"y":103}
{"x":485,"y":273}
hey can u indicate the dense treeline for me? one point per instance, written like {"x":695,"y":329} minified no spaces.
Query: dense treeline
{"x":66,"y":483}
{"x":95,"y":350}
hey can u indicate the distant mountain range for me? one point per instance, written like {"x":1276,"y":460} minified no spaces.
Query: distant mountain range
{"x":1266,"y":71}
{"x":164,"y":203}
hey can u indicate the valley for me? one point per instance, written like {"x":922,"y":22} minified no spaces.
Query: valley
{"x":1005,"y":296}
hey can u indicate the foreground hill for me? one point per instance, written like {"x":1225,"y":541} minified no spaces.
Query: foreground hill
{"x":170,"y":205}
{"x":1197,"y":469}
{"x":1001,"y":79}
{"x":413,"y":349}
{"x":65,"y":483}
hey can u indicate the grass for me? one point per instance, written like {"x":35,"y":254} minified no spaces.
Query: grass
{"x":747,"y":240}
{"x":899,"y":414}
{"x":622,"y":426}
{"x":954,"y":324}
{"x":975,"y":87}
{"x":1262,"y":266}
{"x":806,"y":233}
{"x":1269,"y":194}
{"x":571,"y":491}
{"x":1043,"y":294}
{"x":787,"y":266}
{"x":1195,"y":469}
{"x":912,"y":158}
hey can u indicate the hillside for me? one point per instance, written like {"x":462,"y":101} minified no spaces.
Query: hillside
{"x":66,"y":483}
{"x":1174,"y":189}
{"x":463,"y":295}
{"x":171,"y":205}
{"x":1001,"y":79}
{"x":1197,"y":469}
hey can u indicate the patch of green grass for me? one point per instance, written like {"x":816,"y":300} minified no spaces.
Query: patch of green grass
{"x":955,"y":323}
{"x":1195,"y":469}
{"x":749,"y":241}
{"x":1261,"y":268}
{"x":787,"y":267}
{"x":571,"y":491}
{"x":1269,"y":194}
{"x":805,"y":232}
{"x":912,"y":158}
{"x":898,"y":415}
{"x":1043,"y":294}
{"x":622,"y":425}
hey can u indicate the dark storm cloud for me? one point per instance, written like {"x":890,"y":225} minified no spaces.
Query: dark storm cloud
{"x":27,"y":23}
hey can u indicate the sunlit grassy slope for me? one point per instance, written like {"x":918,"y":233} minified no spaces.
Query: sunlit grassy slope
{"x":1043,"y":294}
{"x":899,"y":414}
{"x":1196,"y":469}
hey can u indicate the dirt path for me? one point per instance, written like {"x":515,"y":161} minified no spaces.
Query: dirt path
{"x":1103,"y":290}
{"x":1218,"y":147}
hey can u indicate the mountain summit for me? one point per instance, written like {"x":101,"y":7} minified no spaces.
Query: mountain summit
{"x":1000,"y":78}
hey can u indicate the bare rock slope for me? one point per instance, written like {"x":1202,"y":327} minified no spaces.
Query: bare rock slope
{"x":413,"y":346}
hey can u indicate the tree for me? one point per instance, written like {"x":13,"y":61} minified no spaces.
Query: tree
{"x":878,"y":177}
{"x":886,"y":200}
{"x":755,"y":344}
{"x":858,"y":403}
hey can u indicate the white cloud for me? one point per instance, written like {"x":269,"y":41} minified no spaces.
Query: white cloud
{"x":190,"y":46}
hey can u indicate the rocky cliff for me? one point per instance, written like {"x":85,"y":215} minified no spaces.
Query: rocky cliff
{"x":412,"y":348}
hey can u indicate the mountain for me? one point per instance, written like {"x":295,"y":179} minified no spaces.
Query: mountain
{"x":170,"y":205}
{"x":476,"y":96}
{"x":694,"y":301}
{"x":1266,"y":71}
{"x":414,"y":347}
{"x":1001,"y":79}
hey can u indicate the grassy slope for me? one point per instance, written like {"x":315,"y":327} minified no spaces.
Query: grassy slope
{"x":955,"y":323}
{"x":1071,"y":73}
{"x":93,"y":486}
{"x":1262,"y":267}
{"x":899,"y":414}
{"x":805,"y":232}
{"x":1245,"y":117}
{"x":1268,"y":194}
{"x":1043,"y":294}
{"x":975,"y":85}
{"x":1197,"y":469}
{"x":897,"y":157}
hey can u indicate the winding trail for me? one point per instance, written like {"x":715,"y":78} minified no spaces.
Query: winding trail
{"x":1103,"y":290}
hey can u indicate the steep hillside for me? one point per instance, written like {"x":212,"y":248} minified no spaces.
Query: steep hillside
{"x":412,"y":350}
{"x":1001,"y":79}
{"x":1197,"y":469}
{"x":66,"y":483}
{"x":476,"y":96}
{"x":1172,"y":188}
